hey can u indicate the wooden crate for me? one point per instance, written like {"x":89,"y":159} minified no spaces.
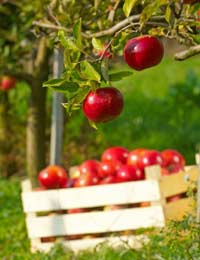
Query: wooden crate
{"x":55,"y":222}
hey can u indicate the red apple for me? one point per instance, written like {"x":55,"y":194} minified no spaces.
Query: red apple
{"x":129,"y":173}
{"x":172,"y":156}
{"x":173,"y":198}
{"x":108,"y":180}
{"x":150,"y":157}
{"x":105,"y":53}
{"x":165,"y":172}
{"x":77,"y":210}
{"x":115,"y":153}
{"x":134,"y":156}
{"x":52,"y":177}
{"x":39,"y":188}
{"x":145,"y":204}
{"x":114,"y":207}
{"x":106,"y":169}
{"x":87,"y":179}
{"x":91,"y":166}
{"x":143,"y":52}
{"x":174,"y":168}
{"x":7,"y":83}
{"x":48,"y":178}
{"x":103,"y":105}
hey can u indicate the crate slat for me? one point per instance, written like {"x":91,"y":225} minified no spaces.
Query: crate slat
{"x":129,"y":241}
{"x":178,"y":183}
{"x":177,"y":209}
{"x":93,"y":196}
{"x":95,"y":222}
{"x":122,"y":193}
{"x":35,"y":201}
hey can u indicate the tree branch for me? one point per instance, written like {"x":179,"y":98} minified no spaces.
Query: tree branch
{"x":120,"y":25}
{"x":192,"y":51}
{"x":49,"y":26}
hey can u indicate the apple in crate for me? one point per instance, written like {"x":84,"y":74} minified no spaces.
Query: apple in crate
{"x":174,"y":198}
{"x":150,"y":157}
{"x":77,"y":210}
{"x":172,"y":157}
{"x":87,"y":179}
{"x":53,"y":177}
{"x":107,"y":169}
{"x":129,"y":173}
{"x":134,"y":155}
{"x":115,"y":153}
{"x":109,"y":180}
{"x":89,"y":166}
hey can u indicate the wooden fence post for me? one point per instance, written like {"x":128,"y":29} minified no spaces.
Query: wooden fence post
{"x":57,"y":113}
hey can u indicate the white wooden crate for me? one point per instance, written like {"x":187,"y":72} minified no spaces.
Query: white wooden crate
{"x":60,"y":224}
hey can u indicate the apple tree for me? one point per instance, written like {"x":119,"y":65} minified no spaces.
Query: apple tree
{"x":25,"y":56}
{"x":92,"y":33}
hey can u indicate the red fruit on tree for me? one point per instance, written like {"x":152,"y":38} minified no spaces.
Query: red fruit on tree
{"x":143,"y":52}
{"x":7,"y":83}
{"x":115,"y":153}
{"x":105,"y":53}
{"x":129,"y":173}
{"x":107,"y":169}
{"x":172,"y":156}
{"x":150,"y":157}
{"x":91,"y":166}
{"x":103,"y":105}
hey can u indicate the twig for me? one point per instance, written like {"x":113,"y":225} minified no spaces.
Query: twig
{"x":122,"y":24}
{"x":113,"y":11}
{"x":192,"y":51}
{"x":49,"y":26}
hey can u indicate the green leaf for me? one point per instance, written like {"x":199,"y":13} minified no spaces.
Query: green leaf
{"x":168,"y":13}
{"x":128,"y":6}
{"x":62,"y":39}
{"x":97,"y":44}
{"x":53,"y":82}
{"x":93,"y":124}
{"x":119,"y":75}
{"x":77,"y":33}
{"x":82,"y":93}
{"x":66,"y":86}
{"x":104,"y":69}
{"x":89,"y":72}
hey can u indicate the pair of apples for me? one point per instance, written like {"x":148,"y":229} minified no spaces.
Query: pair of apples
{"x":106,"y":103}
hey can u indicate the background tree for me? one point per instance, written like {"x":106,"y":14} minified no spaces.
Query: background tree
{"x":26,"y":56}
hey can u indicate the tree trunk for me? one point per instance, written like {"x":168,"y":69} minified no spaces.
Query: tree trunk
{"x":36,"y":140}
{"x":5,"y":144}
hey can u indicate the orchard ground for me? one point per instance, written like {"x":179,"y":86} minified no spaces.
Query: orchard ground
{"x":152,"y":118}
